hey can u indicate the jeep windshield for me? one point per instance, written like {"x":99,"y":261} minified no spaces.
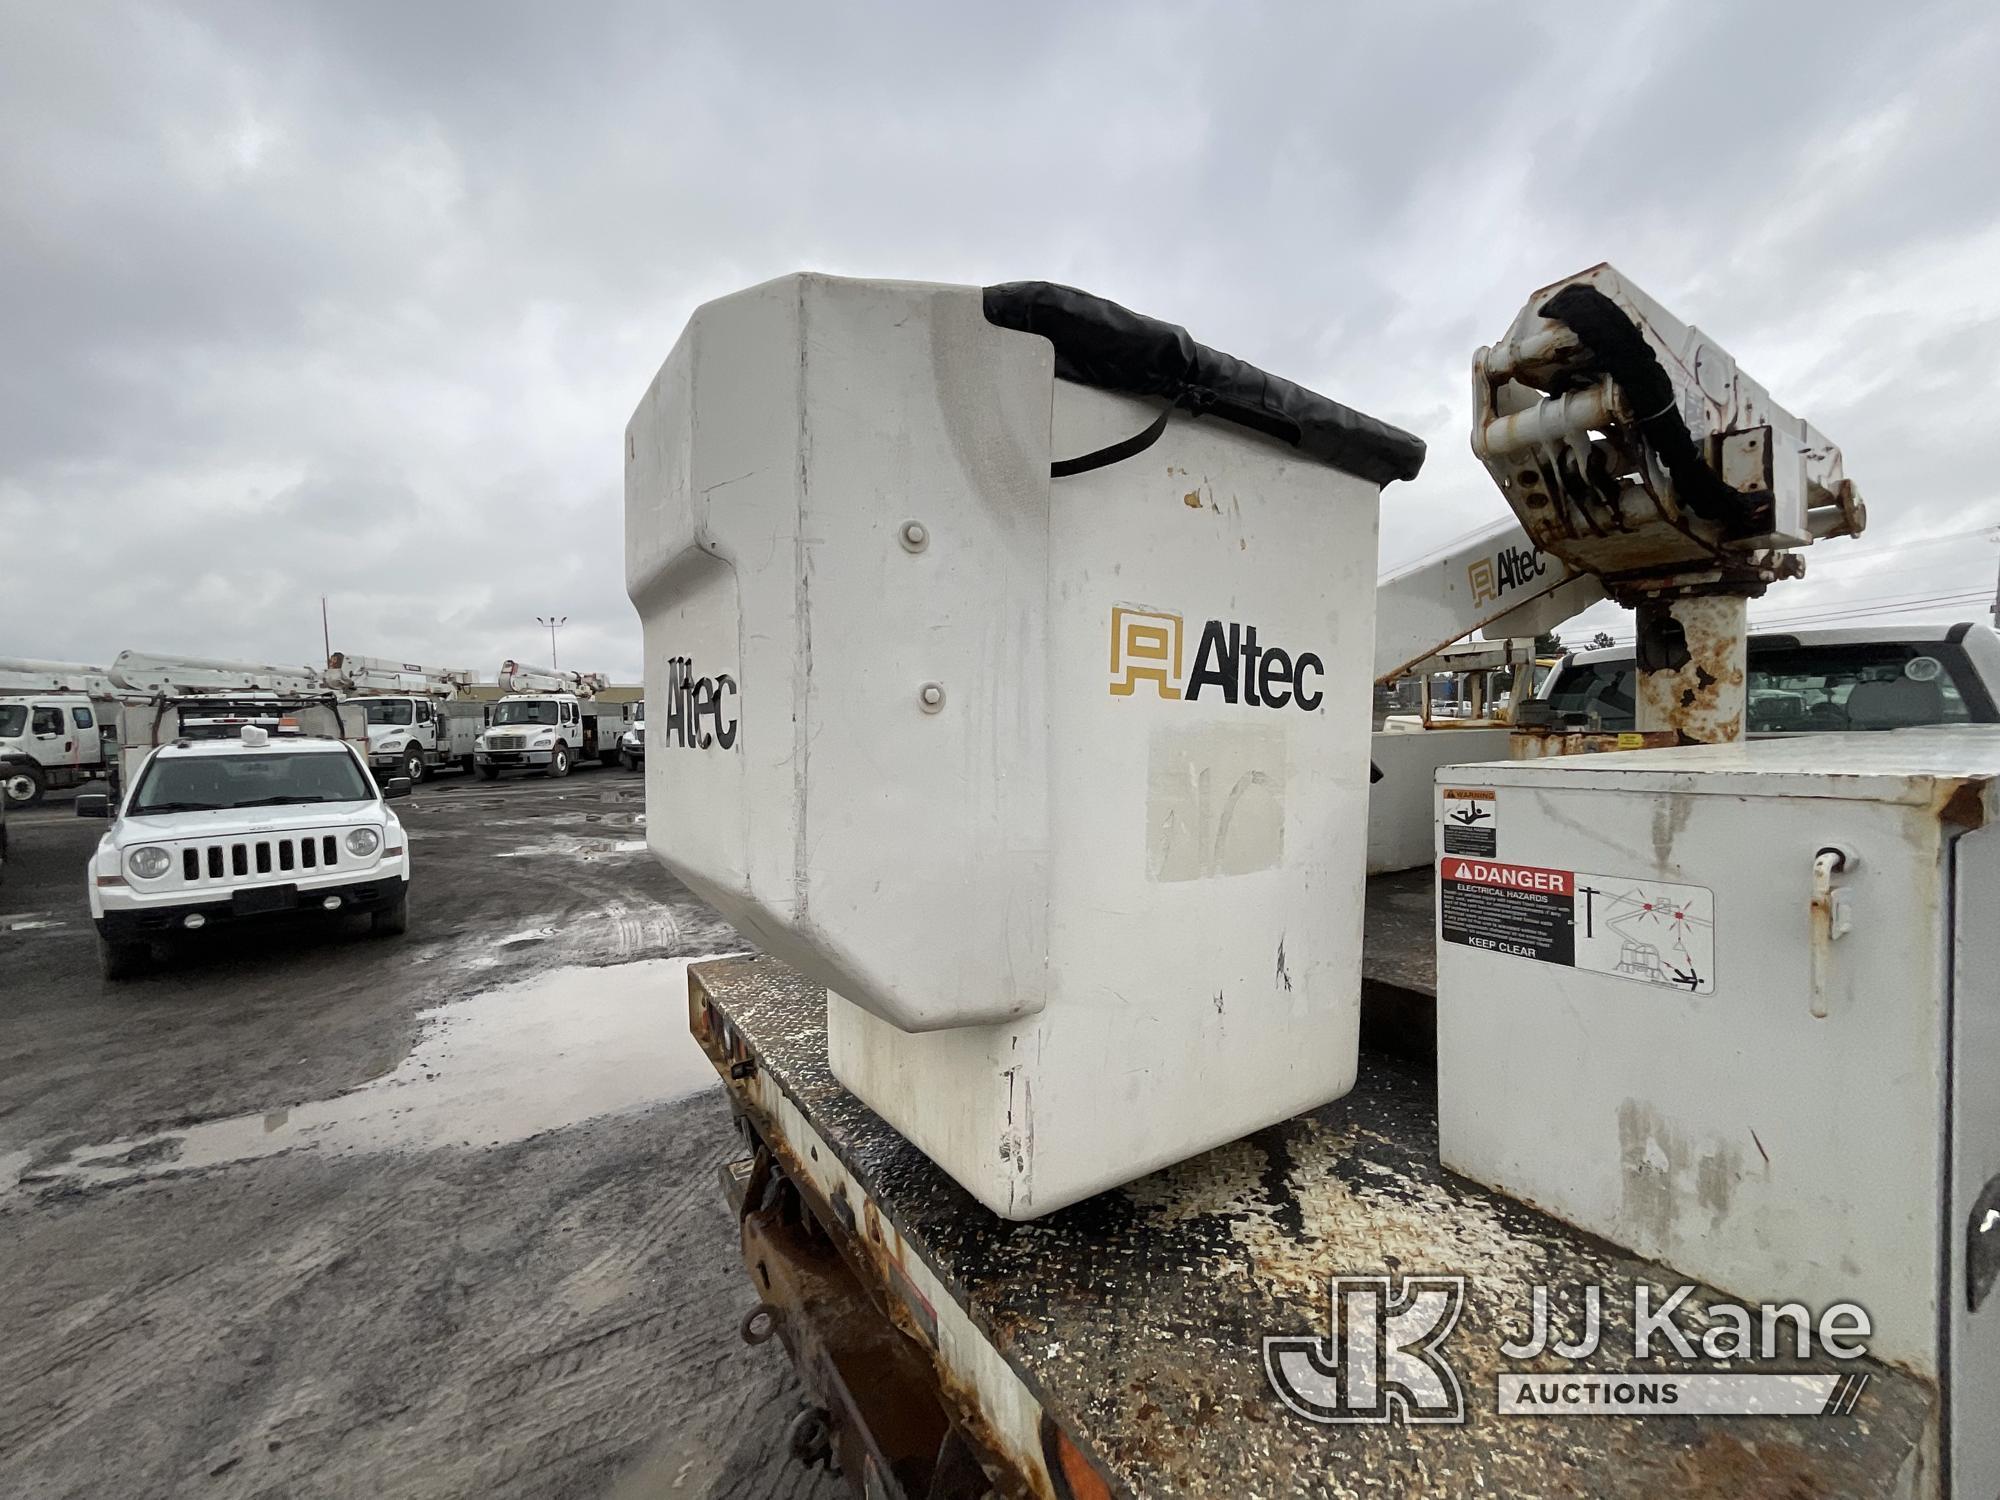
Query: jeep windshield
{"x":209,"y":783}
{"x":531,"y":711}
{"x":390,"y":711}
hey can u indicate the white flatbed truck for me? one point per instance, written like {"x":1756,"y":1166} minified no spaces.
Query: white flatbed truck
{"x":1189,"y":1333}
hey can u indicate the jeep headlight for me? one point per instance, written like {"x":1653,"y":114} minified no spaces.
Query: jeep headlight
{"x":149,"y":863}
{"x":363,"y":842}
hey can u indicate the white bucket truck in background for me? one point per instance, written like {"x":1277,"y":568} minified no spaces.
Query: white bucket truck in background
{"x":164,"y":699}
{"x":549,"y":722}
{"x":417,"y":719}
{"x":52,"y":721}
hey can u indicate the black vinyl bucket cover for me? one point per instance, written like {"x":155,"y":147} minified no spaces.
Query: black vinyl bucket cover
{"x":1098,"y":343}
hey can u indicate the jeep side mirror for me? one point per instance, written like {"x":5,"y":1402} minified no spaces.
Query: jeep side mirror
{"x":93,"y":805}
{"x":399,"y":786}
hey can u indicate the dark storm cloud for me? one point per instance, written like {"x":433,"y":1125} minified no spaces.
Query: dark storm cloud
{"x":354,"y":299}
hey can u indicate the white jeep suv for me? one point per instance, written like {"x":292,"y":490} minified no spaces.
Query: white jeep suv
{"x":215,"y":832}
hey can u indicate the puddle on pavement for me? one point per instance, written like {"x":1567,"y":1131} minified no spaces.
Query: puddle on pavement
{"x":560,"y":1048}
{"x":568,"y":846}
{"x":523,"y":939}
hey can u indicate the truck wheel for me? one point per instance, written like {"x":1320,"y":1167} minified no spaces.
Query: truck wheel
{"x":25,"y":786}
{"x":118,"y":961}
{"x":413,"y":764}
{"x":489,"y":773}
{"x":559,"y":761}
{"x":393,"y":921}
{"x":466,"y":763}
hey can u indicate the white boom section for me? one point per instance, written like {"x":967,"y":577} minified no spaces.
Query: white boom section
{"x":1495,"y":579}
{"x":162,"y":676}
{"x":377,"y":674}
{"x":1629,"y":445}
{"x":20,"y":674}
{"x":516,"y":678}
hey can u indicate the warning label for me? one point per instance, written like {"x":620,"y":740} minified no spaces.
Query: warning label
{"x":1471,"y":821}
{"x":1646,"y":931}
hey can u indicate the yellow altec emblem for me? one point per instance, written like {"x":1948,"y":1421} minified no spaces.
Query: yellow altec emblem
{"x":1508,"y":569}
{"x":1145,"y":647}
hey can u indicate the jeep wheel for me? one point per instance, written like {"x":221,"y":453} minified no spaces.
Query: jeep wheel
{"x":25,"y":785}
{"x":413,"y":764}
{"x":559,"y":761}
{"x":118,"y":961}
{"x":393,"y":921}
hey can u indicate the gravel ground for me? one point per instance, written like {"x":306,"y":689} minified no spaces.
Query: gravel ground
{"x":313,"y":1213}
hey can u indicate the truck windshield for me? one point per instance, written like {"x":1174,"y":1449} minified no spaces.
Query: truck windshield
{"x":13,"y":719}
{"x":389,"y":711}
{"x":525,"y":711}
{"x":1803,"y":688}
{"x":205,"y":783}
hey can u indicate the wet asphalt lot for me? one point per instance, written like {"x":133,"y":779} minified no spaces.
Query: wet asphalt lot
{"x":316,"y":1213}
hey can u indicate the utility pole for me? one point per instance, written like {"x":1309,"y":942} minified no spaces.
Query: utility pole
{"x":554,"y":622}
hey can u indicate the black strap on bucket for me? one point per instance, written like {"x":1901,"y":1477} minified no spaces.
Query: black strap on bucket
{"x":1118,"y":452}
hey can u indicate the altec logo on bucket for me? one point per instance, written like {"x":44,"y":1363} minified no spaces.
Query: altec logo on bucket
{"x":695,"y":708}
{"x":1147,"y":647}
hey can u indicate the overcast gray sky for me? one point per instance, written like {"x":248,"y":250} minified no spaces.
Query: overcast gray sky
{"x":354,"y":299}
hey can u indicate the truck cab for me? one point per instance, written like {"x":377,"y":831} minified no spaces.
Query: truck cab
{"x":1815,"y":681}
{"x":548,"y":722}
{"x":416,"y":735}
{"x":212,"y":833}
{"x":58,"y":739}
{"x":533,"y":733}
{"x":417,"y":719}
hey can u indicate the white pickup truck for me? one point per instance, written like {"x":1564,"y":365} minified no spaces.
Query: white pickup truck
{"x":211,"y":833}
{"x":1868,"y":677}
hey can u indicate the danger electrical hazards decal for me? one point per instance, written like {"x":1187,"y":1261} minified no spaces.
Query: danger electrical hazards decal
{"x":1642,"y":930}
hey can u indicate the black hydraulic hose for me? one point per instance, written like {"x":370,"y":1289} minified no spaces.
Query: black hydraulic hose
{"x":1625,"y":356}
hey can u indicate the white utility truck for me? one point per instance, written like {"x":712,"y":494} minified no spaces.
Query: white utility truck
{"x":217,"y":831}
{"x":1816,"y":680}
{"x":52,"y":724}
{"x":165,"y":699}
{"x":632,"y":743}
{"x":418,"y":719}
{"x":1044,"y":917}
{"x":550,"y":722}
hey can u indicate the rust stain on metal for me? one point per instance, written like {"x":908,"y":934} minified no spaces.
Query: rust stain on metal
{"x":1537,"y":743}
{"x":1962,"y":804}
{"x":1135,"y":1319}
{"x":1691,"y":678}
{"x":1724,"y":1465}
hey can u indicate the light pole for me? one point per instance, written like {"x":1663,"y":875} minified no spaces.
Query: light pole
{"x":555,"y":623}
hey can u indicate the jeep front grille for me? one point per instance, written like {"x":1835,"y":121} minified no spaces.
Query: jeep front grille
{"x":240,"y":859}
